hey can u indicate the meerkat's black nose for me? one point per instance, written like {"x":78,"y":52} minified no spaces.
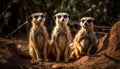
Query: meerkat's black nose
{"x":85,"y":23}
{"x":63,"y":19}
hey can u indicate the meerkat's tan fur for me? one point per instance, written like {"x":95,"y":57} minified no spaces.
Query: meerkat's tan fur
{"x":38,"y":38}
{"x":61,"y":36}
{"x":85,"y":41}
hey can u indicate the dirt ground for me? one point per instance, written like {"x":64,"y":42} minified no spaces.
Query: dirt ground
{"x":107,"y":56}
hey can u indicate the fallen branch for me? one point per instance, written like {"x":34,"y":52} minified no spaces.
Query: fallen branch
{"x":101,"y":33}
{"x":102,"y":27}
{"x":16,"y":29}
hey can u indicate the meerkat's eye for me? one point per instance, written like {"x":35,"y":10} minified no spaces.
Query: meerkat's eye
{"x":36,"y":17}
{"x":65,"y":16}
{"x":89,"y":21}
{"x":59,"y":16}
{"x":82,"y":21}
{"x":42,"y":16}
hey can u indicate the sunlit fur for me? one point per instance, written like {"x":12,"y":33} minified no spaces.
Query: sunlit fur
{"x":85,"y":41}
{"x":61,"y":37}
{"x":38,"y":37}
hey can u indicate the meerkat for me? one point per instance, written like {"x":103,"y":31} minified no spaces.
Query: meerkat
{"x":85,"y":41}
{"x":38,"y":37}
{"x":61,"y":36}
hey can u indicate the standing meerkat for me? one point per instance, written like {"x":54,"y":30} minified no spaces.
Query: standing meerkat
{"x":85,"y":41}
{"x":38,"y":37}
{"x":61,"y":36}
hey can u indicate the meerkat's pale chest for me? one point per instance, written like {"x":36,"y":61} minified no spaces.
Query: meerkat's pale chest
{"x":62,"y":40}
{"x":85,"y":40}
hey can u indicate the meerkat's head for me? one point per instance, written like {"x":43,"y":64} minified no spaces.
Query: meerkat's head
{"x":61,"y":18}
{"x":87,"y":22}
{"x":38,"y":18}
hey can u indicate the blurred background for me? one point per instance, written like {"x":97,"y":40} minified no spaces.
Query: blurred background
{"x":14,"y":14}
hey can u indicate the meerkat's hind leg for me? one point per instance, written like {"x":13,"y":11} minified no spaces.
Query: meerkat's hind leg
{"x":34,"y":56}
{"x":36,"y":49}
{"x":66,"y":53}
{"x":72,"y":55}
{"x":45,"y":52}
{"x":72,"y":51}
{"x":92,"y":50}
{"x":32,"y":53}
{"x":58,"y":52}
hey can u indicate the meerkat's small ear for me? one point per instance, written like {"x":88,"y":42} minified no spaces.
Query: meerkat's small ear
{"x":94,"y":21}
{"x":30,"y":18}
{"x":80,"y":21}
{"x":68,"y":16}
{"x":54,"y":17}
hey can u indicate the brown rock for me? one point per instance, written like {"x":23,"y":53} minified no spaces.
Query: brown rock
{"x":110,"y":43}
{"x":114,"y":41}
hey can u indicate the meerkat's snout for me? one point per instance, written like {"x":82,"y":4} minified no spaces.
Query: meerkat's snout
{"x":86,"y":21}
{"x":61,"y":18}
{"x":38,"y":18}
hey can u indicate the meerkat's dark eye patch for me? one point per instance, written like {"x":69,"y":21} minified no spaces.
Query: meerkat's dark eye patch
{"x":59,"y":16}
{"x":65,"y":16}
{"x":82,"y":21}
{"x":42,"y":16}
{"x":36,"y":16}
{"x":89,"y":21}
